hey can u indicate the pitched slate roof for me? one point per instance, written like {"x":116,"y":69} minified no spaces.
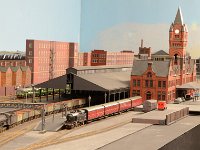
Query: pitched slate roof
{"x":109,"y":81}
{"x":161,"y":68}
{"x":190,"y":85}
{"x":160,"y":52}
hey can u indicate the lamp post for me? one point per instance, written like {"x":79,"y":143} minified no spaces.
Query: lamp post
{"x":105,"y":95}
{"x":33,"y":90}
{"x":89,"y":99}
{"x":26,"y":96}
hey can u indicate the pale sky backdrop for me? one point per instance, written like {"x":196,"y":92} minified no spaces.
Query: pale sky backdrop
{"x":112,"y":25}
{"x":121,"y":24}
{"x":57,"y":20}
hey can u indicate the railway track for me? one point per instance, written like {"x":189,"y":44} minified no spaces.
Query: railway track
{"x":8,"y":136}
{"x":57,"y":139}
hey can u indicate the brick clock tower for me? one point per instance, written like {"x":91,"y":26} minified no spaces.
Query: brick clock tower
{"x":178,"y":37}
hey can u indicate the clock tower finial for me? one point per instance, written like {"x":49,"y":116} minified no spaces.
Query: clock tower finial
{"x":178,"y":37}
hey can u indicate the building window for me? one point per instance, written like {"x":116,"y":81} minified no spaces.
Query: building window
{"x":151,"y":83}
{"x":146,"y":83}
{"x":134,"y":83}
{"x":138,"y":82}
{"x":163,"y":96}
{"x":159,"y":84}
{"x":30,"y":53}
{"x":30,"y":61}
{"x":149,"y":74}
{"x":30,"y":45}
{"x":159,"y":95}
{"x":136,"y":93}
{"x":164,"y":84}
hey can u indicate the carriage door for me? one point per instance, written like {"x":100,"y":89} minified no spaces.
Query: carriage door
{"x":148,"y":95}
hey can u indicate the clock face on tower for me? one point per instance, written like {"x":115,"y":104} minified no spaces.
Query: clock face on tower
{"x":177,"y":31}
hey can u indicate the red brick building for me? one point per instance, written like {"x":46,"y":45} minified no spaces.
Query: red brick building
{"x":144,"y":52}
{"x":12,"y":68}
{"x":120,"y":58}
{"x":102,"y":57}
{"x":159,"y":78}
{"x":98,"y":57}
{"x":49,"y":59}
{"x":12,"y":59}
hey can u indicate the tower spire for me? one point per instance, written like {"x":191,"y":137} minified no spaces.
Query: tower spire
{"x":179,"y":17}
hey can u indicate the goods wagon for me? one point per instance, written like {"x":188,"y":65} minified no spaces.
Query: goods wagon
{"x":136,"y":101}
{"x":111,"y":108}
{"x":94,"y":112}
{"x":124,"y":104}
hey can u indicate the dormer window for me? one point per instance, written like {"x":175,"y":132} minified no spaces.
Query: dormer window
{"x":149,"y":75}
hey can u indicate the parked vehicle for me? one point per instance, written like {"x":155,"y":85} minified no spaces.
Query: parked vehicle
{"x":88,"y":114}
{"x":149,"y":105}
{"x":178,"y":100}
{"x":162,"y":105}
{"x":188,"y":97}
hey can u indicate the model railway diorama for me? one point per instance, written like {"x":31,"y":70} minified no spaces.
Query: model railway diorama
{"x":85,"y":115}
{"x":15,"y":117}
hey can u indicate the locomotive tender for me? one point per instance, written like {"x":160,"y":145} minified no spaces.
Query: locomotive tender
{"x":88,"y":114}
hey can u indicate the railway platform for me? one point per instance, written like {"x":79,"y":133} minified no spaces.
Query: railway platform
{"x":163,"y":117}
{"x":52,"y":124}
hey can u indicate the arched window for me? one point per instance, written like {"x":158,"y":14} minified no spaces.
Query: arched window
{"x":175,"y":59}
{"x":148,"y":95}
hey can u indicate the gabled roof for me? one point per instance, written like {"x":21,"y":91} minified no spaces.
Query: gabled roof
{"x":160,"y":52}
{"x":179,"y":17}
{"x":14,"y":68}
{"x":160,"y":68}
{"x":24,"y":68}
{"x":3,"y":69}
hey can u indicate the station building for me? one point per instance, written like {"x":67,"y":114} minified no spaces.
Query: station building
{"x":163,"y":76}
{"x":99,"y":83}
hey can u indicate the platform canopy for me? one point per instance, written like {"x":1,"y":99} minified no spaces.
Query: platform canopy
{"x":190,"y":85}
{"x":112,"y":81}
{"x":102,"y":81}
{"x":56,"y":83}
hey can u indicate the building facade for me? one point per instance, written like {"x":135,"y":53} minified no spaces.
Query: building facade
{"x":159,"y":78}
{"x":13,"y":70}
{"x":49,"y":59}
{"x":102,"y":57}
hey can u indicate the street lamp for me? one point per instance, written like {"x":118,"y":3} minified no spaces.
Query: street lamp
{"x":105,"y":95}
{"x":33,"y":90}
{"x":26,"y":96}
{"x":89,"y":99}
